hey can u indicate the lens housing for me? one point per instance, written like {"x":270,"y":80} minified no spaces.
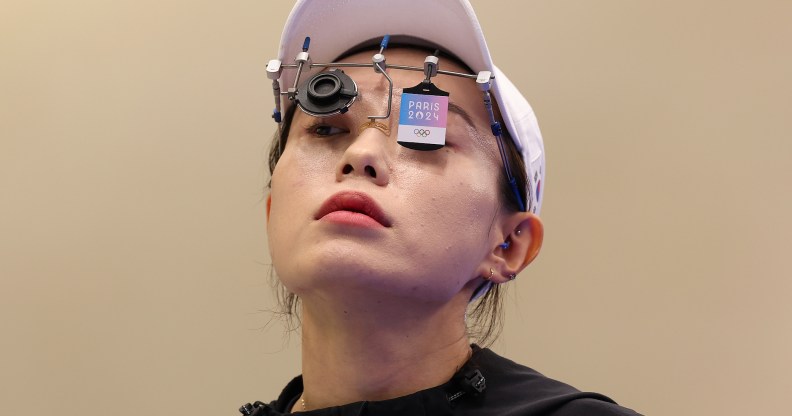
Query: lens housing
{"x":327,"y":93}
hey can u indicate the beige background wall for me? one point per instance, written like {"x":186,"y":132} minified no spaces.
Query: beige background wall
{"x":133,"y":259}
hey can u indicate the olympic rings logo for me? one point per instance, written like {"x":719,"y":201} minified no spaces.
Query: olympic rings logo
{"x":422,"y":132}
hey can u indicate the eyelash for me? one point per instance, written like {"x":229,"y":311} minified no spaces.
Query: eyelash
{"x":313,"y":129}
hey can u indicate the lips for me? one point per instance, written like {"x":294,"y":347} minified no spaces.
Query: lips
{"x":353,"y":202}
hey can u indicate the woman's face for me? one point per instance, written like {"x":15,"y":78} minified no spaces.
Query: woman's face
{"x":354,"y":212}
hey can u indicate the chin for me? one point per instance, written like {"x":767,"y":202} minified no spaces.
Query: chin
{"x":374,"y":279}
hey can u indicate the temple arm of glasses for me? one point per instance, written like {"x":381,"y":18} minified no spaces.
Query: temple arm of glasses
{"x":498,"y":133}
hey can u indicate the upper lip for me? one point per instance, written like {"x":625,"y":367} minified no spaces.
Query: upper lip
{"x":355,"y":202}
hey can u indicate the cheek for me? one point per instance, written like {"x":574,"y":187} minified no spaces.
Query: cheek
{"x":300,"y":175}
{"x":451,"y":213}
{"x":455,"y":184}
{"x":303,"y":163}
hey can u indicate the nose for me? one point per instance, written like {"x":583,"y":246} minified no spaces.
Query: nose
{"x":366,"y":157}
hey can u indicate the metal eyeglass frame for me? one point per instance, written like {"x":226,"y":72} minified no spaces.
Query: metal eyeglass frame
{"x":430,"y":69}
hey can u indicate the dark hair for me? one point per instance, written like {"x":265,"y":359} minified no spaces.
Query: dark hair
{"x":485,"y":316}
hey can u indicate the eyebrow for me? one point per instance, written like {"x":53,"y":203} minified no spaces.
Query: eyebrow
{"x":461,"y":111}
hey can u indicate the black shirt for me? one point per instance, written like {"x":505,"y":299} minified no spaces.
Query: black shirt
{"x":487,"y":385}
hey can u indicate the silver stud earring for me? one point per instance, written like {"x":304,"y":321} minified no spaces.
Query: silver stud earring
{"x":492,"y":272}
{"x":518,"y":232}
{"x":512,"y":276}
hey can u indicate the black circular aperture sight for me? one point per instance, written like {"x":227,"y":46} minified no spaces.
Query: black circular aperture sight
{"x":324,"y":87}
{"x":327,"y":93}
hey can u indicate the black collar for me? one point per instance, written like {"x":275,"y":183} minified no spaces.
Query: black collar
{"x":467,"y":384}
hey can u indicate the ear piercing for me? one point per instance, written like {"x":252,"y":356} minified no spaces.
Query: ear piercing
{"x":506,"y":244}
{"x":492,"y":273}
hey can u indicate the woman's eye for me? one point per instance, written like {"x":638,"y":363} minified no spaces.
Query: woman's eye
{"x":325,"y":130}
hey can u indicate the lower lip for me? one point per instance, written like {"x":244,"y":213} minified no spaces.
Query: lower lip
{"x":351,"y":218}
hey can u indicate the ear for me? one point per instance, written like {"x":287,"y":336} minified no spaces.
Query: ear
{"x":269,"y":206}
{"x":524,"y":233}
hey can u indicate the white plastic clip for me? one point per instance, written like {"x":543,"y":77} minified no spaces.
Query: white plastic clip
{"x":274,"y":69}
{"x":379,"y":62}
{"x":430,"y":66}
{"x":484,"y":80}
{"x":302,"y":57}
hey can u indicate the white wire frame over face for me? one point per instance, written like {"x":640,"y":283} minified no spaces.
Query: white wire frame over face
{"x":346,"y":93}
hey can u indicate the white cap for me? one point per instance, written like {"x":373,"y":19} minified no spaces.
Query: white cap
{"x":335,"y":26}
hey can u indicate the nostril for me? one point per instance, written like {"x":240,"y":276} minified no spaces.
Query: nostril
{"x":371,"y":171}
{"x":347,"y":169}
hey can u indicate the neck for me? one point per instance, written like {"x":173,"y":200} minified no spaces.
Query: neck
{"x":356,"y":354}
